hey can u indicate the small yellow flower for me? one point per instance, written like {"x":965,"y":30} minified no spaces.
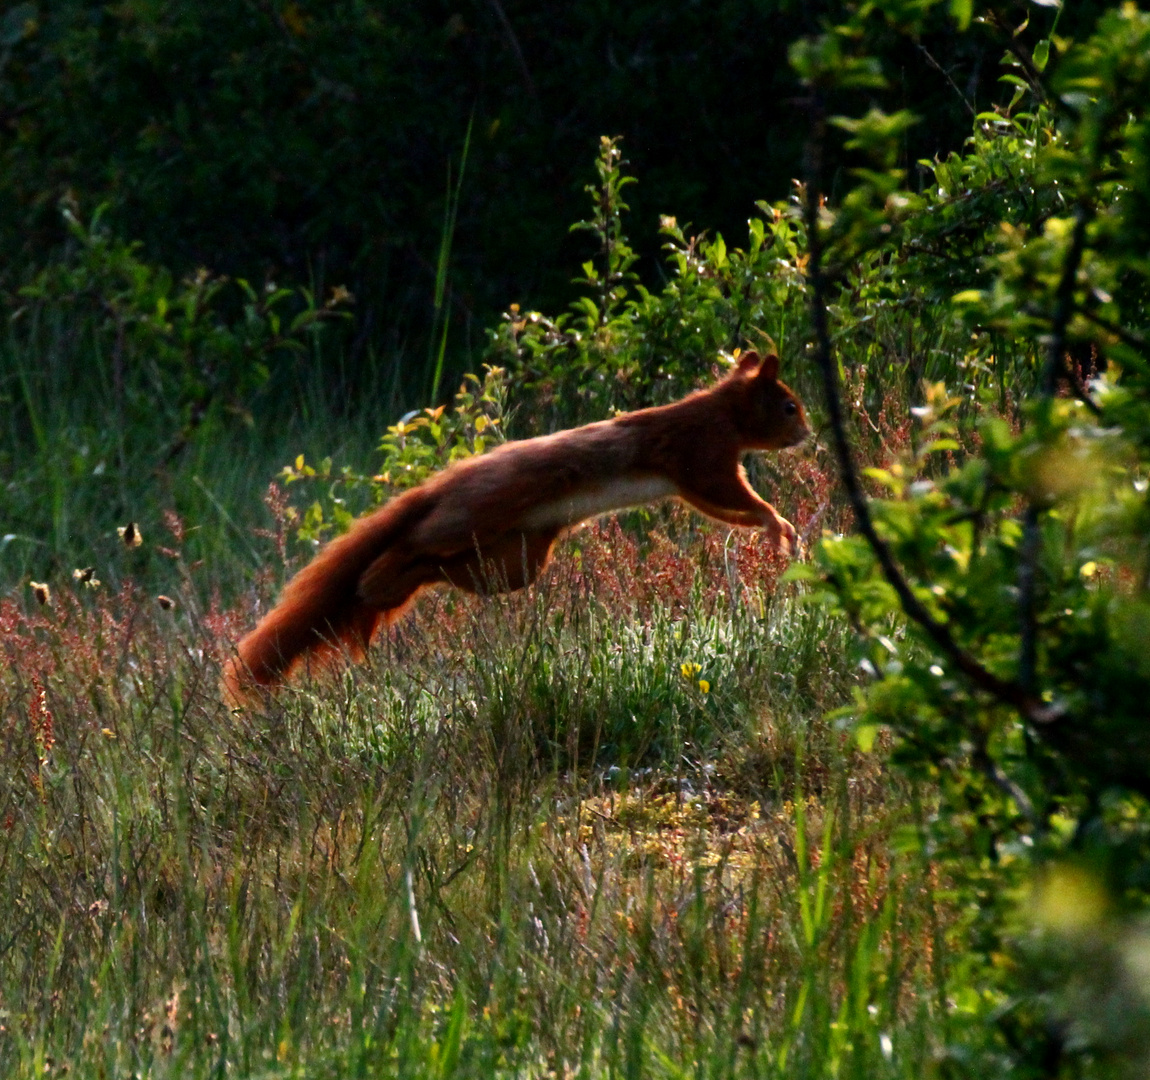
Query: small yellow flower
{"x":690,"y":670}
{"x":704,"y":686}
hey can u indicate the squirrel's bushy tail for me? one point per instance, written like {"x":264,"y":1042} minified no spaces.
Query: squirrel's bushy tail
{"x":320,"y":611}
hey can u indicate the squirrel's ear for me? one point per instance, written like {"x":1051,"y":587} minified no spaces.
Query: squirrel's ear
{"x":748,"y":362}
{"x":769,"y":369}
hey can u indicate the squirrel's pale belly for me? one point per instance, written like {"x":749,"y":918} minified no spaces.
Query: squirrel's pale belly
{"x":600,"y":499}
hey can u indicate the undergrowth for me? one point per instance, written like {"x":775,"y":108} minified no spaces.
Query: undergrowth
{"x":596,"y":829}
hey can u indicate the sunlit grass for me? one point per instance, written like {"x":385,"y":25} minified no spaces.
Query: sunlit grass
{"x":599,"y":828}
{"x":519,"y":841}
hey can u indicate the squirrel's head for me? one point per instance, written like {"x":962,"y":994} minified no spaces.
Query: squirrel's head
{"x":769,"y":415}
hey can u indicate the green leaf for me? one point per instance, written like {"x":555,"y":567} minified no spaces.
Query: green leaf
{"x":938,"y":445}
{"x":877,"y":133}
{"x":1014,"y":80}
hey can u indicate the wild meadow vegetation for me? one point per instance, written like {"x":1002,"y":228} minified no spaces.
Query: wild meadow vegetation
{"x":682,"y":808}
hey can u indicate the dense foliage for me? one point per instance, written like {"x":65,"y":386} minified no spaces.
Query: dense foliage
{"x":320,"y":144}
{"x":1020,"y":570}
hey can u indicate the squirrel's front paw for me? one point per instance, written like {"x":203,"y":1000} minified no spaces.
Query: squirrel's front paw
{"x":784,"y":536}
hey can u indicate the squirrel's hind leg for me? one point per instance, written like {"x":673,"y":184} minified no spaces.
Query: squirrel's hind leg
{"x":392,"y":580}
{"x":510,"y":562}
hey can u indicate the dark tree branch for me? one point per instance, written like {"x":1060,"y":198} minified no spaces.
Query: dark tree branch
{"x":1064,"y":301}
{"x":1010,"y":693}
{"x":1127,"y":337}
{"x":1030,"y":550}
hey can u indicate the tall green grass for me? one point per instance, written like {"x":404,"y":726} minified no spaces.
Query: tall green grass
{"x":524,"y":840}
{"x":88,"y":449}
{"x":441,"y":315}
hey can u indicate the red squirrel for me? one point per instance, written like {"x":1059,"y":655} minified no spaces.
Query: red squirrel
{"x":488,"y":523}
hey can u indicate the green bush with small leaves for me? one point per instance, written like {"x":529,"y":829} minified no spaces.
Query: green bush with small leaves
{"x":191,"y":352}
{"x":1000,"y":596}
{"x":418,"y":445}
{"x":623,"y":346}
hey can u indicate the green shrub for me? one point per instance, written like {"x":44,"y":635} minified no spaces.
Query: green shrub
{"x":172,"y":370}
{"x":417,"y":446}
{"x":1001,"y":598}
{"x":184,"y":354}
{"x":624,"y":346}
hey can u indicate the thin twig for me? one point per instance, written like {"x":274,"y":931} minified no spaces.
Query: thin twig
{"x":1081,"y":392}
{"x":1127,"y":337}
{"x":946,"y":75}
{"x":509,"y":30}
{"x":1030,"y":73}
{"x":995,"y":774}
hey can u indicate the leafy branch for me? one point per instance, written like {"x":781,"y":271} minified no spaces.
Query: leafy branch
{"x":1009,"y":692}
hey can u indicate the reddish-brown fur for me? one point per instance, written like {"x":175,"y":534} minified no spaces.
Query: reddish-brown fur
{"x":489,"y":523}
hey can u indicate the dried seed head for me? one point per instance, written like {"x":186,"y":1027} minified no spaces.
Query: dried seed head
{"x":130,"y":534}
{"x":175,"y":525}
{"x":166,"y":602}
{"x":42,"y":593}
{"x":84,"y":574}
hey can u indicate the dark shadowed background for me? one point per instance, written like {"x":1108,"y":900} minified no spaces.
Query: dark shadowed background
{"x":318,"y":143}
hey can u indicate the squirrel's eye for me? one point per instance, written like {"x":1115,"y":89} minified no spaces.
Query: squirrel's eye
{"x":790,"y":408}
